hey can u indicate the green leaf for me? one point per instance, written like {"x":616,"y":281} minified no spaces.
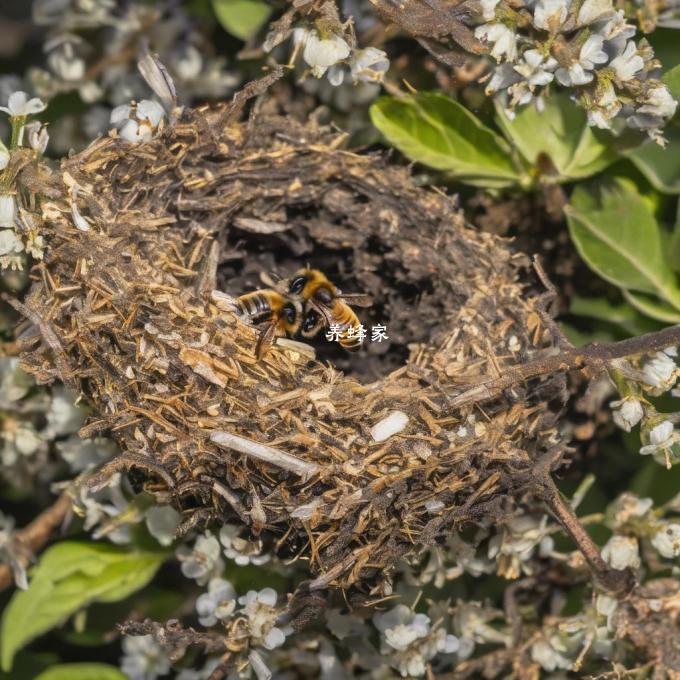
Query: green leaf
{"x":82,"y":671}
{"x":560,"y":132}
{"x":241,"y":18}
{"x":652,"y":307}
{"x":623,"y":315}
{"x":660,"y":166}
{"x":617,"y":235}
{"x":672,"y":79}
{"x":437,"y":131}
{"x":70,"y":576}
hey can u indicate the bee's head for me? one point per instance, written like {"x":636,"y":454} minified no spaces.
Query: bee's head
{"x":297,"y":284}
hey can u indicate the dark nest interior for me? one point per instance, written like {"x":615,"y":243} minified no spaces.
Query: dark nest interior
{"x":124,"y":312}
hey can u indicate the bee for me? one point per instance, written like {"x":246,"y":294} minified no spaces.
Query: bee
{"x":282,"y":315}
{"x":326,"y":305}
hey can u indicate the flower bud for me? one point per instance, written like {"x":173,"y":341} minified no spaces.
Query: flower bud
{"x":627,"y":412}
{"x":8,"y":210}
{"x":667,"y":540}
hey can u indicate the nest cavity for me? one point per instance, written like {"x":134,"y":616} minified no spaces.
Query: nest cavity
{"x":287,"y":446}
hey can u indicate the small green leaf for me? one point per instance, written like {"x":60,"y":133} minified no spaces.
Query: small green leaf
{"x":672,"y":80}
{"x":652,"y":307}
{"x":82,"y":671}
{"x":437,"y":131}
{"x":622,"y":315}
{"x":617,"y":235}
{"x":241,"y":18}
{"x":70,"y":576}
{"x":660,"y":165}
{"x":561,"y":132}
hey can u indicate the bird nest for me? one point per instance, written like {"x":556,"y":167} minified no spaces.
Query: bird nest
{"x":287,"y":445}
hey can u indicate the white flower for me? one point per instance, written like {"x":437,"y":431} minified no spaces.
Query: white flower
{"x":38,"y":137}
{"x":659,"y":371}
{"x":627,"y":412}
{"x":593,"y":10}
{"x":162,"y":521}
{"x":8,"y":210}
{"x":203,"y":561}
{"x":658,"y":101}
{"x":64,"y":416}
{"x":488,"y":9}
{"x":628,"y":63}
{"x":549,"y":15}
{"x":537,"y":70}
{"x":409,"y":641}
{"x":188,"y":63}
{"x":667,"y":540}
{"x":260,"y":608}
{"x":217,"y":604}
{"x":240,"y":550}
{"x":18,"y":105}
{"x":616,"y":31}
{"x":621,"y":552}
{"x":9,"y":242}
{"x":143,"y":658}
{"x":336,"y":75}
{"x":368,"y":65}
{"x":503,"y":76}
{"x":84,"y":454}
{"x":137,"y":122}
{"x":626,"y":507}
{"x":550,"y":659}
{"x":605,"y":106}
{"x":504,"y":40}
{"x":62,"y":59}
{"x":579,"y":73}
{"x":661,"y":439}
{"x":322,"y":53}
{"x":4,"y":156}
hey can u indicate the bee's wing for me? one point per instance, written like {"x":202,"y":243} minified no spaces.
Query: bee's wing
{"x":323,"y":310}
{"x":356,"y":299}
{"x":264,"y":342}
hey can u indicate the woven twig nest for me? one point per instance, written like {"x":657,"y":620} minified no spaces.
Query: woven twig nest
{"x":128,"y":317}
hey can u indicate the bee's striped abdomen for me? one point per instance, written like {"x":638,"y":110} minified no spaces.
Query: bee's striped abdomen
{"x":255,"y":306}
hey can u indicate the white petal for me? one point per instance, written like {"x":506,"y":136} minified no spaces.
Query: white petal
{"x":17,"y":102}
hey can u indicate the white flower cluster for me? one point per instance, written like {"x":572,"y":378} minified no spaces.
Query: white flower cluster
{"x":585,"y":46}
{"x":257,"y":608}
{"x":411,"y":641}
{"x":85,"y":36}
{"x":241,"y":550}
{"x":143,"y":658}
{"x":328,"y":54}
{"x":657,"y":374}
{"x":204,"y":561}
{"x":137,"y":122}
{"x":517,"y":542}
{"x":109,"y":513}
{"x":17,"y":232}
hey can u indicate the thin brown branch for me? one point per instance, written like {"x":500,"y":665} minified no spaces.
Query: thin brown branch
{"x":618,"y":582}
{"x":36,"y":534}
{"x":595,"y":356}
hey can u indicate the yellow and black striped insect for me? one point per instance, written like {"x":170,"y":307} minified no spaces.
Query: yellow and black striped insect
{"x":283,"y":316}
{"x":326,"y":305}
